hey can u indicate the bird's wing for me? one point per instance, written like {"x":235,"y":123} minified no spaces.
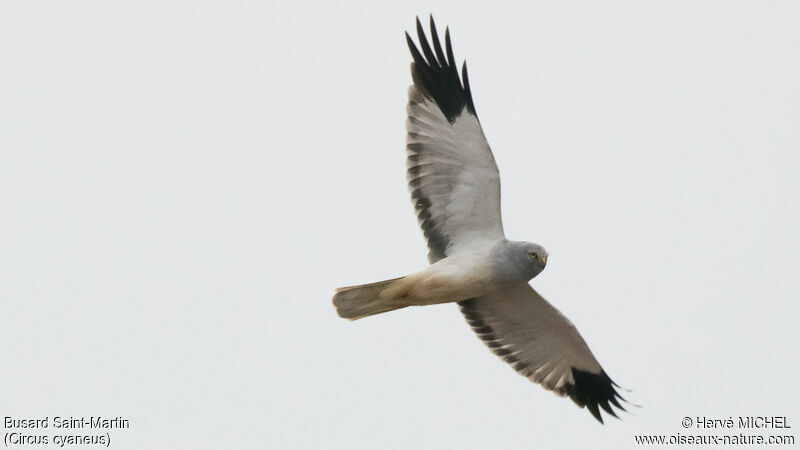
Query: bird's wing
{"x":527,"y":332}
{"x":452,"y":175}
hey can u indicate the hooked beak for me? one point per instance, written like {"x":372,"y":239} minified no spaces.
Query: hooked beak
{"x":544,"y":259}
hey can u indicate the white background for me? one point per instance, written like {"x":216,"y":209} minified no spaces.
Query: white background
{"x":184,"y":184}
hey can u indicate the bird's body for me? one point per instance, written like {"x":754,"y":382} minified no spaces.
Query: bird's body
{"x":455,"y":188}
{"x":452,"y":279}
{"x":469,"y":273}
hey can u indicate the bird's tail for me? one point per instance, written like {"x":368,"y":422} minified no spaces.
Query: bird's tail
{"x":355,"y":302}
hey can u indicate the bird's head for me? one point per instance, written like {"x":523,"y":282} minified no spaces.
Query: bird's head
{"x":519,"y":261}
{"x":536,"y":257}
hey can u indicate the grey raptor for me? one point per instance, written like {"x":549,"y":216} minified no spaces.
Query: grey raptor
{"x":455,"y":188}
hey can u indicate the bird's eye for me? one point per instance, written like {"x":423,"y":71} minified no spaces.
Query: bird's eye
{"x":532,"y":255}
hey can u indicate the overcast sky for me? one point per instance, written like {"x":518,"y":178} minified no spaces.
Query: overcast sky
{"x":184,"y":184}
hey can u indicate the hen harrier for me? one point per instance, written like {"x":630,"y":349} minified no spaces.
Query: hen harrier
{"x":455,"y":188}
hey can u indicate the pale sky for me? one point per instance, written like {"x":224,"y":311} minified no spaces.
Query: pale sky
{"x":184,"y":184}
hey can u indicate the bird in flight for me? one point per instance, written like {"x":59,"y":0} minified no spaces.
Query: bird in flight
{"x":455,"y":189}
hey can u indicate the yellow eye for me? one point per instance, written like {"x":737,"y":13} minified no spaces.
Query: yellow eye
{"x":532,"y":255}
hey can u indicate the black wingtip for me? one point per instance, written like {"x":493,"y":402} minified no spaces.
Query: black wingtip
{"x":436,"y":75}
{"x":594,"y":391}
